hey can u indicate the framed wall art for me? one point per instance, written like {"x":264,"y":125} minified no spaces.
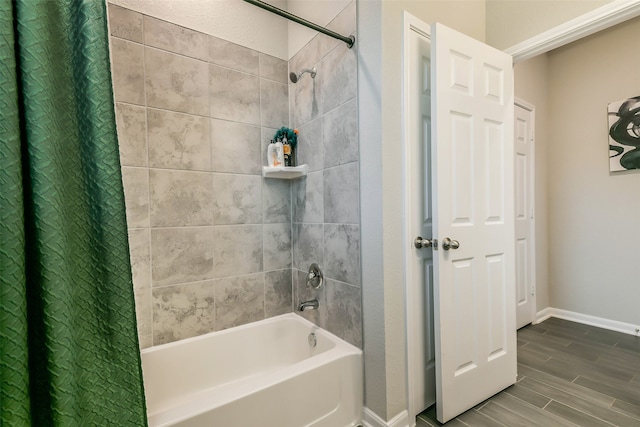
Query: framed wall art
{"x":624,"y":134}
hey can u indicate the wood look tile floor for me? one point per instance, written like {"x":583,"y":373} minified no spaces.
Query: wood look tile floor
{"x":569,"y":374}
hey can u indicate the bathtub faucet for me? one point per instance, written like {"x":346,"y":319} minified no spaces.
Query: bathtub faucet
{"x":309,"y":305}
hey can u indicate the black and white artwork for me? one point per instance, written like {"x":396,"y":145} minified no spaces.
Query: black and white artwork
{"x":624,"y":134}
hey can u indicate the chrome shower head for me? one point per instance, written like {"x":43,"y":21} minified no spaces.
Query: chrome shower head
{"x":295,"y":77}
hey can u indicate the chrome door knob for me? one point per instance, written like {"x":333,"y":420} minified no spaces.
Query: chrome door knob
{"x":447,"y":244}
{"x":420,"y":243}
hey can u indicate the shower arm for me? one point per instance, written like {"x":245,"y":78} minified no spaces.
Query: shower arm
{"x":266,"y":6}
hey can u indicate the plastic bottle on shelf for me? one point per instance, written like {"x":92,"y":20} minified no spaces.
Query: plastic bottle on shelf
{"x":279,"y":153}
{"x":287,"y":151}
{"x":274,"y":154}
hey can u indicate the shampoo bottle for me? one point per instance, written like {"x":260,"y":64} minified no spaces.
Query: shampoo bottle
{"x":279,"y":153}
{"x":274,"y":154}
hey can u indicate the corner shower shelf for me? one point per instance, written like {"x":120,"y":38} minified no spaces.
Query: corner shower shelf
{"x":285,"y":172}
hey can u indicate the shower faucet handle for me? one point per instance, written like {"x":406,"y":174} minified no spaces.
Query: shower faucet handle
{"x":315,"y":278}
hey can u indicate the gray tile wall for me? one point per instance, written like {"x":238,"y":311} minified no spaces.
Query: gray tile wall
{"x":326,"y":217}
{"x":210,"y":239}
{"x":213,"y":244}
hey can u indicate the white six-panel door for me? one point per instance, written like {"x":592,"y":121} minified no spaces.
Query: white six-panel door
{"x":524,"y":214}
{"x":421,"y":352}
{"x":472,"y":169}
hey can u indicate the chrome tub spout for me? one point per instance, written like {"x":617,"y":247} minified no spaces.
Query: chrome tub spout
{"x":309,"y":305}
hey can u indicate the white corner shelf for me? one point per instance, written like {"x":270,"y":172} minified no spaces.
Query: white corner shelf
{"x":285,"y":172}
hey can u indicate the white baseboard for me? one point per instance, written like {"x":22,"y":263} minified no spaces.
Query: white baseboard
{"x":613,"y":325}
{"x":371,"y":419}
{"x":543,"y":315}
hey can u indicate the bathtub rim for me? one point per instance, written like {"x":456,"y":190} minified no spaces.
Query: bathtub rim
{"x":292,"y":316}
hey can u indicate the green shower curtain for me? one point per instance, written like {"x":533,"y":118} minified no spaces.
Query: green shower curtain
{"x":68,"y":344}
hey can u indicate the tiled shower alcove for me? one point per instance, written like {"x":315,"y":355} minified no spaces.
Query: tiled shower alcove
{"x":213,"y":243}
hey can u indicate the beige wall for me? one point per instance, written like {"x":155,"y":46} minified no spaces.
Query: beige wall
{"x":532,"y":86}
{"x":512,"y":21}
{"x":381,"y":128}
{"x":594,"y":215}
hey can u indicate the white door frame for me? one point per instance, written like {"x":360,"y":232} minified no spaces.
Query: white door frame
{"x":599,"y":19}
{"x":410,"y":23}
{"x":531,"y":108}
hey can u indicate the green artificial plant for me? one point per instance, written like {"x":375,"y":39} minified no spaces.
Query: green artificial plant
{"x":290,"y":134}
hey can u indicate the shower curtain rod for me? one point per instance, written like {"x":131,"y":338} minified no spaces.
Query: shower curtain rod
{"x":266,"y":6}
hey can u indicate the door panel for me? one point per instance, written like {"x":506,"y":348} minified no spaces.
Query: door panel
{"x":522,"y":293}
{"x":462,"y":168}
{"x":496,"y":286}
{"x":494,"y":136}
{"x":465,"y":316}
{"x":473,"y":203}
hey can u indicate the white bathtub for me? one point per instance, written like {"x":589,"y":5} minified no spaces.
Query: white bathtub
{"x":262,"y":374}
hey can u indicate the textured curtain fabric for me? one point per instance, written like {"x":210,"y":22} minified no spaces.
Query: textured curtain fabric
{"x":68,"y":344}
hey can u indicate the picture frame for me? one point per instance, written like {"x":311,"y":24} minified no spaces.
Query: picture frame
{"x":624,"y":134}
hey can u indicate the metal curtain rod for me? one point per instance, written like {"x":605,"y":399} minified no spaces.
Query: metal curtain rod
{"x":266,"y":6}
